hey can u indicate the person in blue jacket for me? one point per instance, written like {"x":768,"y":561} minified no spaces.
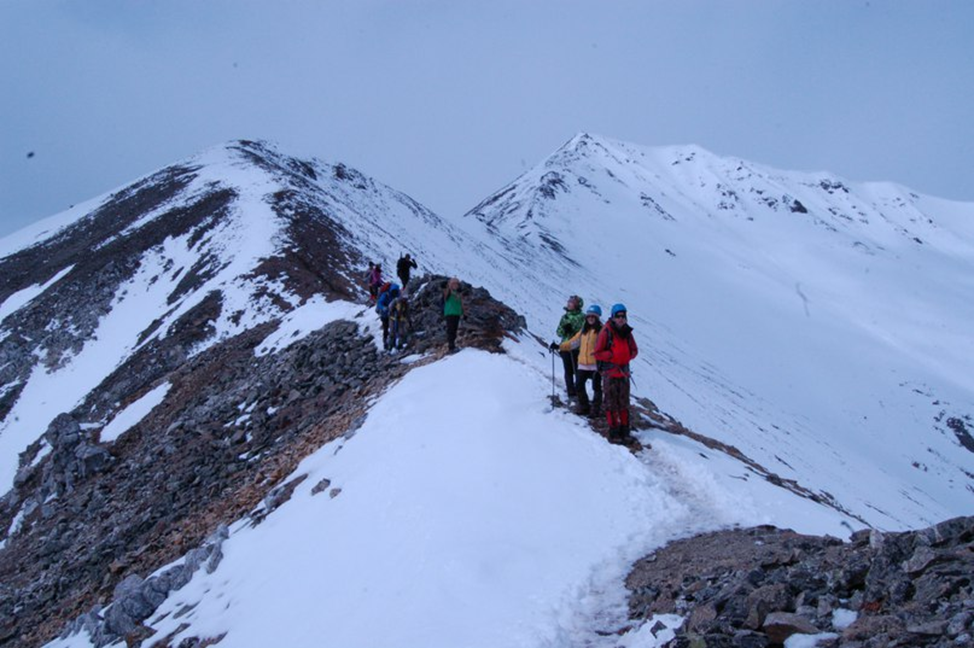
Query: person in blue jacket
{"x":387,"y":294}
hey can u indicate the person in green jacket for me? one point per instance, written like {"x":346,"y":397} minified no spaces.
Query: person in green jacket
{"x":570,"y":324}
{"x":452,"y":311}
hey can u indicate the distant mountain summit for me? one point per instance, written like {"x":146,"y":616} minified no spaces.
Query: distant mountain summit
{"x":780,"y":305}
{"x":681,"y":182}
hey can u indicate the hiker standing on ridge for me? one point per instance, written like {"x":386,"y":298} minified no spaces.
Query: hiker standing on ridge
{"x":387,"y":294}
{"x":375,"y":280}
{"x":570,"y":324}
{"x":583,"y":343}
{"x":404,"y":267}
{"x":368,"y":280}
{"x":614,"y":350}
{"x":452,"y":311}
{"x":399,"y":322}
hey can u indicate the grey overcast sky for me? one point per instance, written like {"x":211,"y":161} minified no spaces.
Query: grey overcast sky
{"x":448,"y":100}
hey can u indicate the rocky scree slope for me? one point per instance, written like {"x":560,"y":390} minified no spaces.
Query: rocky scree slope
{"x":97,"y":519}
{"x":757,"y":587}
{"x":183,"y":275}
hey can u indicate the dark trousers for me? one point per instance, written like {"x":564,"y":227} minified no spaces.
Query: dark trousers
{"x":617,"y":401}
{"x":570,"y":360}
{"x":397,"y":333}
{"x":452,"y":326}
{"x":385,"y":330}
{"x":581,"y":377}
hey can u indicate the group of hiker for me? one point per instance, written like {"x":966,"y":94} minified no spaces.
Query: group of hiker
{"x":392,"y":304}
{"x":373,"y":277}
{"x":591,"y":350}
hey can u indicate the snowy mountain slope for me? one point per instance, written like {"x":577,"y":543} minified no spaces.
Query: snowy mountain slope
{"x":821,"y":327}
{"x":766,"y":320}
{"x":241,"y":232}
{"x":493,"y":523}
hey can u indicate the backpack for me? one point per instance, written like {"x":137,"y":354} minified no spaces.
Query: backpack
{"x":386,"y":296}
{"x":399,"y":309}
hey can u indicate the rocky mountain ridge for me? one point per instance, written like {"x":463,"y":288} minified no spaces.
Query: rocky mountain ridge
{"x":211,"y":254}
{"x":221,"y":298}
{"x":231,"y":429}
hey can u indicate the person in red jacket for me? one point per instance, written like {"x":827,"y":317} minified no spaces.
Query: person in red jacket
{"x":615,"y":348}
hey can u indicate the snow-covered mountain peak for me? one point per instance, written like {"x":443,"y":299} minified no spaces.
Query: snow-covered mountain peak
{"x":592,"y":175}
{"x":593,"y":150}
{"x":823,"y":303}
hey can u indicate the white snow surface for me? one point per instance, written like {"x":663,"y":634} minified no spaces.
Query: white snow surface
{"x":808,"y":640}
{"x":306,"y":318}
{"x":843,"y":618}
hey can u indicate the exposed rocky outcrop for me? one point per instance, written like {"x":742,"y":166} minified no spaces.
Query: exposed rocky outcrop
{"x":756,"y":587}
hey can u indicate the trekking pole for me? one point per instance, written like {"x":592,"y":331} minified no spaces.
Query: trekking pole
{"x":552,"y":354}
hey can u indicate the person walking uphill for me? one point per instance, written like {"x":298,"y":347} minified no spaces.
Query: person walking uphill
{"x":570,"y":324}
{"x":400,"y":324}
{"x":383,"y":306}
{"x":452,"y":311}
{"x":583,"y":343}
{"x":404,"y":267}
{"x":375,"y":281}
{"x":615,"y":348}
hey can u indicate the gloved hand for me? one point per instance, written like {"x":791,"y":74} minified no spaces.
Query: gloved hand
{"x":554,"y":346}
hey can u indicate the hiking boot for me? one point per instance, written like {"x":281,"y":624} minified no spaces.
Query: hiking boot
{"x":625,"y":435}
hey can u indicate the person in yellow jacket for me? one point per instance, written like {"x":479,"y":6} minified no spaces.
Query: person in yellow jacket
{"x":584,"y":341}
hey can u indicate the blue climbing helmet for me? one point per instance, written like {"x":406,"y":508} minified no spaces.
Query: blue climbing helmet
{"x":594,"y":309}
{"x":618,"y":308}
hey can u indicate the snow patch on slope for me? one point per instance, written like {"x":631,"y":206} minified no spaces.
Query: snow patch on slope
{"x":22,"y":297}
{"x":306,"y":319}
{"x":129,"y":417}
